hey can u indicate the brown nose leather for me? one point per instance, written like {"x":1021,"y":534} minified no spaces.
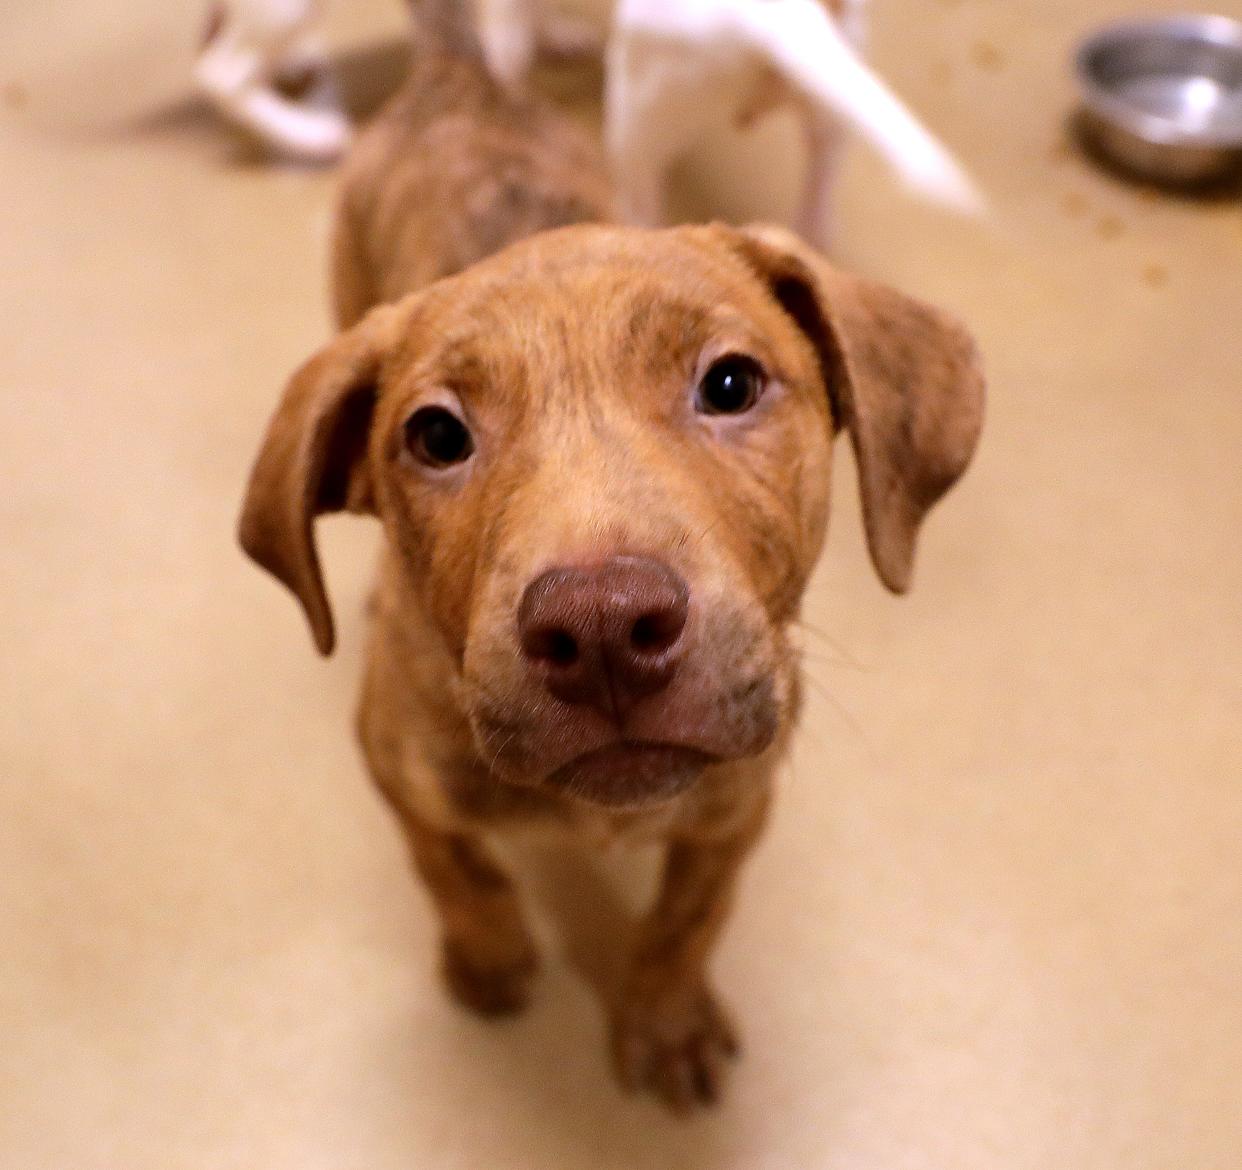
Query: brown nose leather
{"x":605,"y":636}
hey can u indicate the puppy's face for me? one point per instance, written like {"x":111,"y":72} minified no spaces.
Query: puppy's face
{"x":594,"y":446}
{"x":602,"y":462}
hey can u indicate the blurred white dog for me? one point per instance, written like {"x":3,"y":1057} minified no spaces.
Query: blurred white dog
{"x":515,"y":32}
{"x":672,"y":65}
{"x":251,"y":48}
{"x":254,"y":51}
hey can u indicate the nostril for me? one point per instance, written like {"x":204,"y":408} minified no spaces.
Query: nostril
{"x":656,"y":631}
{"x":552,"y":646}
{"x":645,"y":634}
{"x":562,"y":648}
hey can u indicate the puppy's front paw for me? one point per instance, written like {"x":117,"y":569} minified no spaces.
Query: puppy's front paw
{"x":676,"y":1041}
{"x":487,"y":985}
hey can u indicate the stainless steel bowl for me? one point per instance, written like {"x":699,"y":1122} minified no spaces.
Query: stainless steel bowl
{"x":1162,"y":98}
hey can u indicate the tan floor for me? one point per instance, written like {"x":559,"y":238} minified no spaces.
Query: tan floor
{"x":998,"y":920}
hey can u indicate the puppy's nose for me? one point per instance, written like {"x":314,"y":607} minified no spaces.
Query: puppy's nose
{"x":608,"y":635}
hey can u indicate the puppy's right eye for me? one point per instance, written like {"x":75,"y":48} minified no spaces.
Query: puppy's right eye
{"x":438,"y":438}
{"x":731,"y":385}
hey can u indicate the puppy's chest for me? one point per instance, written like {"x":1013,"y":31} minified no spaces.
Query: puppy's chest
{"x":606,"y":830}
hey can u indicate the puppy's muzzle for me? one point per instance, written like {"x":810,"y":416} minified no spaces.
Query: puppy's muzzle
{"x":607,"y":635}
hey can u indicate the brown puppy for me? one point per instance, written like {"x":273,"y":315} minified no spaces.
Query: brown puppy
{"x":601,"y":460}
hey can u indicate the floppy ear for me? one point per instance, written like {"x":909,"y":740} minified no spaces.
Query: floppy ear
{"x":904,"y":377}
{"x":314,"y":460}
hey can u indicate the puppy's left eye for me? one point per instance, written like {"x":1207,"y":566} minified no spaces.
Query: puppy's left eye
{"x":732,"y":385}
{"x":438,"y":438}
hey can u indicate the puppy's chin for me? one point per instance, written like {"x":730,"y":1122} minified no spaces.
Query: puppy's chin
{"x":629,"y":774}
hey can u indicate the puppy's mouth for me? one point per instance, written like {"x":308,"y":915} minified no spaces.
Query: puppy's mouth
{"x":630,"y":773}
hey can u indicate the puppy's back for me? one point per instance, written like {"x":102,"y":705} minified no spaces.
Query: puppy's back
{"x":453,"y":169}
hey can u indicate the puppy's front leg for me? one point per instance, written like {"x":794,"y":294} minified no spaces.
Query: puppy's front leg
{"x":488,"y":955}
{"x":670,"y":1033}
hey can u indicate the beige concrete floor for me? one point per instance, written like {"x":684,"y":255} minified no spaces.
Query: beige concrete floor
{"x":997,"y":922}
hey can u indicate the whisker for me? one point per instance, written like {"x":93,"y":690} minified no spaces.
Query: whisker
{"x":831,"y":642}
{"x":810,"y":656}
{"x":504,"y":744}
{"x":844,"y":714}
{"x":706,"y":532}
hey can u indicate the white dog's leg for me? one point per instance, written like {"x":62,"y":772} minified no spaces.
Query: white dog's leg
{"x":824,"y":140}
{"x":638,"y":166}
{"x":825,"y":145}
{"x":514,"y":32}
{"x":250,"y":43}
{"x":640,"y":184}
{"x":851,"y":18}
{"x":809,"y":49}
{"x":508,"y":30}
{"x":654,"y":110}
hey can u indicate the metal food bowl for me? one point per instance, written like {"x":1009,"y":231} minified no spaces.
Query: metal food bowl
{"x":1162,"y":98}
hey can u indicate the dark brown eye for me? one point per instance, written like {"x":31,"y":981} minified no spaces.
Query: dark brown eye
{"x":437,"y":437}
{"x":731,"y":386}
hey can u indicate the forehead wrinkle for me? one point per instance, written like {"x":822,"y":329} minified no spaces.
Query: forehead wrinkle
{"x":655,"y":310}
{"x":676,"y":326}
{"x":563,"y":358}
